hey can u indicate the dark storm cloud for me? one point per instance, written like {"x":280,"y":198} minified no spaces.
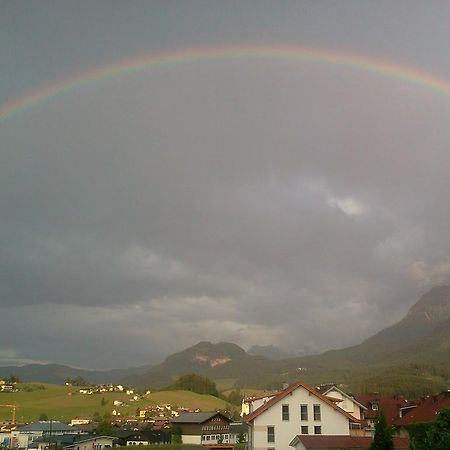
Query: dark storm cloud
{"x":251,"y":201}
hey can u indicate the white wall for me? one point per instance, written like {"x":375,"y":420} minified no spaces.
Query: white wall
{"x":191,"y":439}
{"x":332,"y":421}
{"x":347,"y":404}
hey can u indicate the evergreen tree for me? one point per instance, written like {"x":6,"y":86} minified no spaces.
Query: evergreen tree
{"x":195,"y":383}
{"x":104,"y":428}
{"x":383,"y":434}
{"x":438,"y":436}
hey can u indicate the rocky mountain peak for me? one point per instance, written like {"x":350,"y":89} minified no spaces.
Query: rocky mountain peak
{"x":433,"y":307}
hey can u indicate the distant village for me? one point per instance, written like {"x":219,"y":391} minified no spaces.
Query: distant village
{"x":296,"y":417}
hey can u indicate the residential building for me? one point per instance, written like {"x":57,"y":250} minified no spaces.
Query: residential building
{"x":81,"y":421}
{"x":208,"y":428}
{"x":92,"y":442}
{"x":344,"y":400}
{"x":298,"y":408}
{"x":25,"y":435}
{"x":393,"y":408}
{"x":426,"y":410}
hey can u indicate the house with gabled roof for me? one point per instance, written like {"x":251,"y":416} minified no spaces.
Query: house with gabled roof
{"x":298,"y":408}
{"x":24,"y":435}
{"x":207,"y":428}
{"x":344,"y":400}
{"x":426,"y":410}
{"x":92,"y":442}
{"x":393,"y":408}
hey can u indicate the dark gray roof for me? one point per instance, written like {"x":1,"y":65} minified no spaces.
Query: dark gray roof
{"x":196,"y":417}
{"x":85,"y":438}
{"x":46,"y":426}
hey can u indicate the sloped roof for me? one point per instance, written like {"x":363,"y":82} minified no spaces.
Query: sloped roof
{"x":348,"y":442}
{"x":47,"y":426}
{"x":288,"y":391}
{"x":86,"y":438}
{"x":344,"y":394}
{"x":259,"y":397}
{"x":389,"y":405}
{"x":427,"y":409}
{"x":197,"y":417}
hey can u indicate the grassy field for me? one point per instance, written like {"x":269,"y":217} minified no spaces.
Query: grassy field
{"x":65,"y":402}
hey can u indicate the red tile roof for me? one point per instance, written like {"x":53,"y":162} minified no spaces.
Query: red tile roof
{"x":389,"y":405}
{"x":287,"y":391}
{"x":427,"y":409}
{"x":348,"y":442}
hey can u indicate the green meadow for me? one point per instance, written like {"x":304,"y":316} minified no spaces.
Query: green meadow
{"x":65,"y":402}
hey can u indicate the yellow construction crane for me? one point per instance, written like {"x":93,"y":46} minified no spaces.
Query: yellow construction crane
{"x":13,"y":408}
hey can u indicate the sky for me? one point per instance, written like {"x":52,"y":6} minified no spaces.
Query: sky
{"x":177,"y":171}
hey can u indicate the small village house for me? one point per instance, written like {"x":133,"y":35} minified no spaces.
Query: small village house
{"x":205,"y":428}
{"x":299,"y":407}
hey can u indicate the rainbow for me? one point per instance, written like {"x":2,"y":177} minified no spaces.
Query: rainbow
{"x":357,"y":62}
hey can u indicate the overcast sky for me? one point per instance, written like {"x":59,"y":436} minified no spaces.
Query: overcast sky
{"x":251,"y":200}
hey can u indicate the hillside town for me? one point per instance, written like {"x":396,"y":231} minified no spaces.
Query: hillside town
{"x":297,"y":417}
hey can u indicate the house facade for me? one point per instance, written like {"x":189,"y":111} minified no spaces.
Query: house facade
{"x":24,"y":436}
{"x":207,"y":428}
{"x":345,"y":401}
{"x":298,"y":409}
{"x":90,"y":443}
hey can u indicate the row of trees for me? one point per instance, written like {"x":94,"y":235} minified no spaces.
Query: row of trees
{"x":77,"y":381}
{"x":195,"y":383}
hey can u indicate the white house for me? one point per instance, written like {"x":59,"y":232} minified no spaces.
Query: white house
{"x":346,"y":402}
{"x":298,"y":409}
{"x":90,"y":443}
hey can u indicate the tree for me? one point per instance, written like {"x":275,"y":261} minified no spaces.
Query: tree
{"x":104,"y":428}
{"x":241,"y":438}
{"x":175,"y":435}
{"x":438,"y":436}
{"x":383,"y":434}
{"x":195,"y":383}
{"x":418,"y":435}
{"x":235,"y":397}
{"x":43,"y":416}
{"x":13,"y":379}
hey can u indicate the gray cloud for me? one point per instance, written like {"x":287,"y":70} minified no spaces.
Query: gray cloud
{"x":251,"y":201}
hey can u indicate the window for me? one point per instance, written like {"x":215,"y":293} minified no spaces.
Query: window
{"x":305,"y":429}
{"x":317,"y":429}
{"x":316,"y":409}
{"x":303,"y":412}
{"x":270,"y":433}
{"x":285,"y":412}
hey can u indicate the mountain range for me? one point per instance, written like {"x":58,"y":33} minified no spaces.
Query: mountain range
{"x":415,"y":351}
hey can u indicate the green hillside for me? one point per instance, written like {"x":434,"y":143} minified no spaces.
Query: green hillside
{"x":65,"y":402}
